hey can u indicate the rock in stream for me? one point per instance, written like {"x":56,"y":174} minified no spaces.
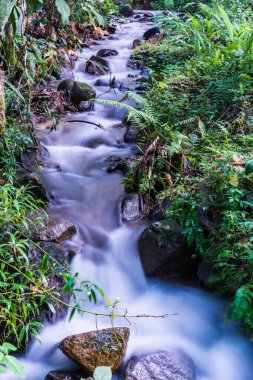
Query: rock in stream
{"x":171,"y":365}
{"x":105,"y":347}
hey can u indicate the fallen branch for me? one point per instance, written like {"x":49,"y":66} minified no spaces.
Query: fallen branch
{"x":85,"y":121}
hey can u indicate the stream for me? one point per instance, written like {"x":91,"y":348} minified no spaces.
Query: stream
{"x":90,"y":197}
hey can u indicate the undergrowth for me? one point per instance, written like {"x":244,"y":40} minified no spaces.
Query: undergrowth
{"x":200,"y":92}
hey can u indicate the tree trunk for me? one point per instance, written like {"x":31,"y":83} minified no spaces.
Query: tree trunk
{"x":2,"y":104}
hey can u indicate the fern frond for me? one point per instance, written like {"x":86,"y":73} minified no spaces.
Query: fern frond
{"x":135,"y":115}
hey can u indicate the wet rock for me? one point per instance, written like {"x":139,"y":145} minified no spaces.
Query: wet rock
{"x":77,"y":91}
{"x":35,"y":184}
{"x":66,"y":375}
{"x":148,"y":14}
{"x":126,"y":10}
{"x":136,"y":43}
{"x":209,"y":276}
{"x":57,"y":375}
{"x":131,"y":134}
{"x":141,"y":87}
{"x":111,"y":28}
{"x":102,"y":83}
{"x":152,"y":32}
{"x":164,"y":250}
{"x":135,"y":65}
{"x":172,"y":365}
{"x":97,"y":348}
{"x":55,"y":230}
{"x":54,"y":275}
{"x":86,"y":106}
{"x":125,"y":165}
{"x":97,"y":65}
{"x":32,"y":157}
{"x":130,"y":208}
{"x":107,"y":53}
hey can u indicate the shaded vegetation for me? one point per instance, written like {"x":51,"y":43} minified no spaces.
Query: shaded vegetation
{"x":200,"y":94}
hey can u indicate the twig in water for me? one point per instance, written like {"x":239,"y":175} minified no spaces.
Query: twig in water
{"x":85,"y":121}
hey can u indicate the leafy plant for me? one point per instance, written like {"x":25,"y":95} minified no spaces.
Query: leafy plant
{"x":8,"y":361}
{"x":102,"y":373}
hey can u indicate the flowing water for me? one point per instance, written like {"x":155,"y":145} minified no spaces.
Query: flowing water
{"x":85,"y":193}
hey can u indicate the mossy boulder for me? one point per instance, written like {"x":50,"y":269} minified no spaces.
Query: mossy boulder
{"x":77,"y":91}
{"x":126,"y":10}
{"x":105,"y":347}
{"x":164,"y":251}
{"x":97,"y":65}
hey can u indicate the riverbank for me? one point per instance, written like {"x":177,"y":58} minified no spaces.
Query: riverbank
{"x":200,"y":165}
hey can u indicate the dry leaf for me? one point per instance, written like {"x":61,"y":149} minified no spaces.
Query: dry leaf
{"x":237,"y":160}
{"x":35,"y":290}
{"x":244,"y":240}
{"x":233,"y":180}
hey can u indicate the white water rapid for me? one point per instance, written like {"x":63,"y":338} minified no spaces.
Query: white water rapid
{"x":86,"y":194}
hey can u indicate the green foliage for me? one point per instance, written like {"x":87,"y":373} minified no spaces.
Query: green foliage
{"x":94,"y":12}
{"x":200,"y":92}
{"x":8,"y":361}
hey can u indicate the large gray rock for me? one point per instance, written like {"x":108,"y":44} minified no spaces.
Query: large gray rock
{"x":77,"y":91}
{"x":172,"y":365}
{"x":164,"y":250}
{"x":105,"y":347}
{"x":55,"y":229}
{"x":130,"y":208}
{"x":127,"y":10}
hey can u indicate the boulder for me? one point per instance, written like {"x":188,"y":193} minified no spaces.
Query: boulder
{"x":77,"y":91}
{"x":164,"y":250}
{"x":55,"y":229}
{"x":171,"y":365}
{"x":105,"y":347}
{"x":97,"y":65}
{"x":125,"y":165}
{"x":130,"y":208}
{"x":126,"y":11}
{"x":152,"y":32}
{"x":107,"y":52}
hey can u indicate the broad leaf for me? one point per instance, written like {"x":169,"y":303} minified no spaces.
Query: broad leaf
{"x":103,"y":373}
{"x":15,"y":366}
{"x":63,"y":9}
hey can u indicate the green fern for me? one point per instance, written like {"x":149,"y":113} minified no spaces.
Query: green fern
{"x":144,"y":113}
